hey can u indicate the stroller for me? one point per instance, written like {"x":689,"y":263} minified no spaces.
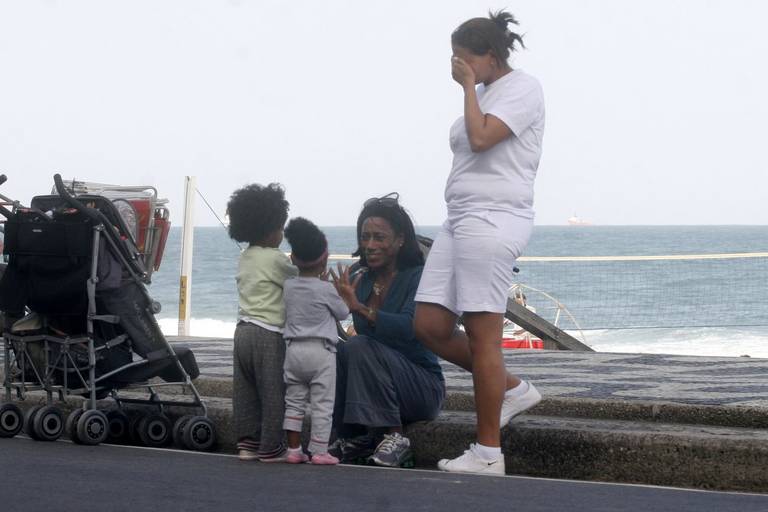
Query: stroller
{"x":77,"y":271}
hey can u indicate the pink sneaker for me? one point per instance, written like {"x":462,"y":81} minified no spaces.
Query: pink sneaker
{"x":297,"y":457}
{"x":325,"y":459}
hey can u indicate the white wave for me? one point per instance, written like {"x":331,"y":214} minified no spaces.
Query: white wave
{"x":699,"y":341}
{"x":203,"y":327}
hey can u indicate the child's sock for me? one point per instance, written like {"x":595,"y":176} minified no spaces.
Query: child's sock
{"x":296,"y":456}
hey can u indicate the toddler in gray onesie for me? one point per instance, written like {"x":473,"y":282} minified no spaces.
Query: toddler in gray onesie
{"x":312,"y":307}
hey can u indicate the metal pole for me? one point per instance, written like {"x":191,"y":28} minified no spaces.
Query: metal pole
{"x":185,"y":279}
{"x":91,"y":290}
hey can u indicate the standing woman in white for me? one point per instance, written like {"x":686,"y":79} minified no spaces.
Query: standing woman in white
{"x":496,"y":149}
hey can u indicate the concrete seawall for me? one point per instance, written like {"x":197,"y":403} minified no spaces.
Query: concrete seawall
{"x":655,"y":419}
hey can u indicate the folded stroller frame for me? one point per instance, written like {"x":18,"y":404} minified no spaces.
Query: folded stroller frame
{"x":90,"y":331}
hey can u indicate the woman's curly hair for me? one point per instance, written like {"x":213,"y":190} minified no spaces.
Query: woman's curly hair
{"x":255,"y":211}
{"x":308,"y":243}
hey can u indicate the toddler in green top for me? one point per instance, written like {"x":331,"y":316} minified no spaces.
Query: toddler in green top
{"x":257,"y":215}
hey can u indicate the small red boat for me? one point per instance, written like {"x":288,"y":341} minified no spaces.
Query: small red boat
{"x":527,"y":342}
{"x":515,"y":337}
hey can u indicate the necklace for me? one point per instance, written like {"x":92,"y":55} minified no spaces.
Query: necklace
{"x":379,"y":289}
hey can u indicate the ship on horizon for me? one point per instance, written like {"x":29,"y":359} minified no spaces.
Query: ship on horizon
{"x":575,"y":220}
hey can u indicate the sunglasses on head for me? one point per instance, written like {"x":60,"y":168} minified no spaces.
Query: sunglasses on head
{"x":386,"y":200}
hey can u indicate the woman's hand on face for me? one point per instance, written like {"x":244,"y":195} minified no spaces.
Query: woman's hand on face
{"x":462,"y":72}
{"x":344,"y":286}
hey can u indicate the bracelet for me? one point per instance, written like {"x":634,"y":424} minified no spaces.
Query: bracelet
{"x":370,"y":314}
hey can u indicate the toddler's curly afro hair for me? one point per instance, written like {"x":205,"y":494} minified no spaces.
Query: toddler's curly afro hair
{"x":255,"y":211}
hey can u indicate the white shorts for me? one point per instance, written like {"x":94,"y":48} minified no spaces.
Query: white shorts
{"x":469,"y":268}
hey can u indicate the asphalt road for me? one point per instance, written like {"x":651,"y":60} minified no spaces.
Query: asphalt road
{"x":60,"y":476}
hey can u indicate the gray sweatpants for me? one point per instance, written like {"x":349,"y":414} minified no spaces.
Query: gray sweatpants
{"x":310,"y":376}
{"x":258,"y":391}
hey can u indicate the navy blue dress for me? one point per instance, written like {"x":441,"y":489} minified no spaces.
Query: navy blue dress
{"x":385,"y":376}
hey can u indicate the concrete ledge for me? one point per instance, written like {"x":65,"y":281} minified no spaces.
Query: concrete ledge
{"x":605,"y":450}
{"x":709,"y":457}
{"x":668,"y":420}
{"x":631,"y":410}
{"x":213,"y":386}
{"x":634,"y":410}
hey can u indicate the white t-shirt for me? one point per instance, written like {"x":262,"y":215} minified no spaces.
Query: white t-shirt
{"x":500,"y":178}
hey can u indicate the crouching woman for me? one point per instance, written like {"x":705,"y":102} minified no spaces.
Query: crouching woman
{"x":386,"y":378}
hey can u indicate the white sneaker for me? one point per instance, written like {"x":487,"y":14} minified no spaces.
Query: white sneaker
{"x":512,"y":406}
{"x":245,"y":454}
{"x":470,"y":462}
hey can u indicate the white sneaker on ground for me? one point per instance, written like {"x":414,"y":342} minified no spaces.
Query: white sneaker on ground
{"x":470,"y":462}
{"x":515,"y":405}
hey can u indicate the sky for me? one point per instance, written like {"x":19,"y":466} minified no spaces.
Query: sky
{"x":656,"y":110}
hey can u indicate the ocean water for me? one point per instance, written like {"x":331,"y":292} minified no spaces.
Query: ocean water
{"x":702,"y":306}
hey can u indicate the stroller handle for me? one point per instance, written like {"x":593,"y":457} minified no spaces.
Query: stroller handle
{"x":63,"y":192}
{"x":74,"y":203}
{"x":3,"y":178}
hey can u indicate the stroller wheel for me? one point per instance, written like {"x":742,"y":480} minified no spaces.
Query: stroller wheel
{"x":133,"y":428}
{"x":71,"y":425}
{"x":178,"y":430}
{"x":11,"y":420}
{"x":92,"y":427}
{"x":48,"y":423}
{"x":29,"y":422}
{"x":155,"y":430}
{"x":117,"y":432}
{"x":199,"y":434}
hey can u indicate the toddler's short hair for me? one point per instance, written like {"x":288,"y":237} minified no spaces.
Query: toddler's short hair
{"x":308,"y":243}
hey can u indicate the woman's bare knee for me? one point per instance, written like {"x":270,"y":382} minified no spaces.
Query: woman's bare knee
{"x":433,"y":323}
{"x":484,"y":330}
